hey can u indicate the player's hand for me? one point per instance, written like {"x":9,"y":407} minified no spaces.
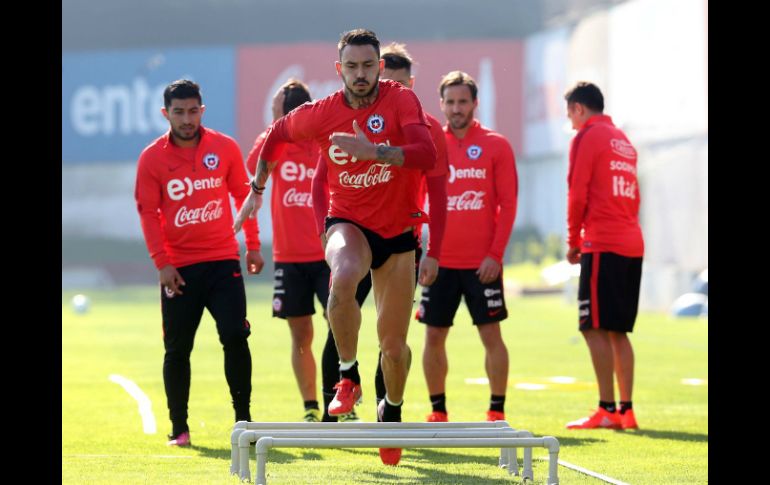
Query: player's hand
{"x":278,"y":99}
{"x":171,"y":279}
{"x":254,"y":262}
{"x":573,"y":255}
{"x":428,"y":271}
{"x":248,"y":210}
{"x":356,"y":145}
{"x":489,"y":270}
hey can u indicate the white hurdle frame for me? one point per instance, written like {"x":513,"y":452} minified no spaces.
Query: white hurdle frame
{"x":508,"y":456}
{"x":251,"y":436}
{"x":265,"y":443}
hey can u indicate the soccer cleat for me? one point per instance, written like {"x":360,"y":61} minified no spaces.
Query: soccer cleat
{"x":628,"y":420}
{"x":495,"y":415}
{"x":312,"y":416}
{"x":389,"y":456}
{"x":600,"y":419}
{"x":182,"y":439}
{"x":437,"y":417}
{"x":348,"y":395}
{"x":351,"y":417}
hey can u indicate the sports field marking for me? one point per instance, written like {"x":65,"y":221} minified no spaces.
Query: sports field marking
{"x":477,"y":380}
{"x":145,"y":406}
{"x":528,"y":386}
{"x":585,"y":471}
{"x":695,"y":382}
{"x":562,"y":380}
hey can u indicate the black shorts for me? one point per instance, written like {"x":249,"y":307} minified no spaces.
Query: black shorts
{"x":608,"y":295}
{"x":215,"y":285}
{"x":365,"y":286}
{"x":294,"y":286}
{"x":381,"y":247}
{"x":439,"y":302}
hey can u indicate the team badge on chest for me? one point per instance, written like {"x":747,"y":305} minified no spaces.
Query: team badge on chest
{"x":375,"y":123}
{"x":211,"y":161}
{"x":474,"y":152}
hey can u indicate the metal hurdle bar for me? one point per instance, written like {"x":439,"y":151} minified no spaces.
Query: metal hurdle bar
{"x":267,"y":442}
{"x":250,"y":436}
{"x":508,"y":456}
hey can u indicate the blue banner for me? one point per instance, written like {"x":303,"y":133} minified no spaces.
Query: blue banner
{"x":111,"y":100}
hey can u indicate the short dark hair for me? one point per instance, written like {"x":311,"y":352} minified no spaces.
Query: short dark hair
{"x":458,"y":78}
{"x":587,"y":94}
{"x":396,"y":57}
{"x":181,"y":89}
{"x":359,"y":37}
{"x":297,"y":93}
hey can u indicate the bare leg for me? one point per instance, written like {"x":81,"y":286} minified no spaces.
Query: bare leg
{"x":623,"y":355}
{"x":435,"y":364}
{"x":393,"y":285}
{"x":496,"y":360}
{"x":601,"y":355}
{"x":302,"y":360}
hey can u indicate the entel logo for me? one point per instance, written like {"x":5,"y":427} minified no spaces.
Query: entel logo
{"x":340,"y":157}
{"x":293,"y":171}
{"x":178,"y":189}
{"x":466,"y":173}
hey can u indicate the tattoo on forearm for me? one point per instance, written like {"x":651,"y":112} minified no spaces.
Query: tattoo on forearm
{"x":263,"y":171}
{"x":391,"y":155}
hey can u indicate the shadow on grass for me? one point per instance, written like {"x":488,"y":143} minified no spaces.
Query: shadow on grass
{"x":275,"y":454}
{"x":667,"y":435}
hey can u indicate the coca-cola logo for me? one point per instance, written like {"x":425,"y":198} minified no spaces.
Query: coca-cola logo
{"x":623,"y":148}
{"x":470,"y":200}
{"x":212,"y":211}
{"x":292,"y":198}
{"x":378,"y":173}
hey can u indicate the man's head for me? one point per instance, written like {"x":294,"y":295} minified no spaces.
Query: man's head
{"x":398,"y":64}
{"x":458,"y":93}
{"x":183,"y":108}
{"x":296,"y":93}
{"x":360,"y":64}
{"x":583,"y":101}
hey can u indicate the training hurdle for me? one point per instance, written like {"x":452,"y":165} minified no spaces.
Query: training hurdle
{"x":508,"y":456}
{"x":265,"y":443}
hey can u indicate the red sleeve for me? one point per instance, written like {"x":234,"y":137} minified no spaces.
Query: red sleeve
{"x":253,"y":158}
{"x":578,"y":179}
{"x":507,"y":190}
{"x":320,"y":193}
{"x":419,"y":152}
{"x":238,"y":186}
{"x":442,"y":157}
{"x":147,"y":193}
{"x":297,"y":125}
{"x":438,"y":209}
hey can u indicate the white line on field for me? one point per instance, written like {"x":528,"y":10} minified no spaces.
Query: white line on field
{"x":586,"y":471}
{"x":145,"y":406}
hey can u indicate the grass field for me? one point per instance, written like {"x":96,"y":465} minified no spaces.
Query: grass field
{"x":103,"y":441}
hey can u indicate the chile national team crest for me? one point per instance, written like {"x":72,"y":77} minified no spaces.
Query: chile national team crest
{"x":474,"y":152}
{"x":375,"y":123}
{"x":211,"y":161}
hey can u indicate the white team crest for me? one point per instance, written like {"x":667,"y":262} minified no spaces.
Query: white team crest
{"x":211,"y":161}
{"x":277,"y":304}
{"x":375,"y":123}
{"x":474,"y":152}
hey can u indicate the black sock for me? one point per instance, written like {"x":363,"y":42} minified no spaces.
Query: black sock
{"x":497,"y":403}
{"x":608,"y":406}
{"x":311,"y":405}
{"x":178,"y":428}
{"x":625,"y":406}
{"x":438,"y":401}
{"x":392,"y":413}
{"x":379,"y":380}
{"x":351,"y":374}
{"x":328,"y":397}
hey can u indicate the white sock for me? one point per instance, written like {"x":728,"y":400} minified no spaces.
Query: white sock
{"x":347,"y":365}
{"x":391,"y":402}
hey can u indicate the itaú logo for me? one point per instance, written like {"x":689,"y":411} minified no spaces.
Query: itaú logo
{"x":378,"y":173}
{"x":340,"y":157}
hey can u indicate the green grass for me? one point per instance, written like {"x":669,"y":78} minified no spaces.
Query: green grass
{"x":103,"y":441}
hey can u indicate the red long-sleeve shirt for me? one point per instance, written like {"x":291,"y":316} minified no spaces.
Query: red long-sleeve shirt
{"x":603,"y":196}
{"x":183,"y":199}
{"x":481,"y":197}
